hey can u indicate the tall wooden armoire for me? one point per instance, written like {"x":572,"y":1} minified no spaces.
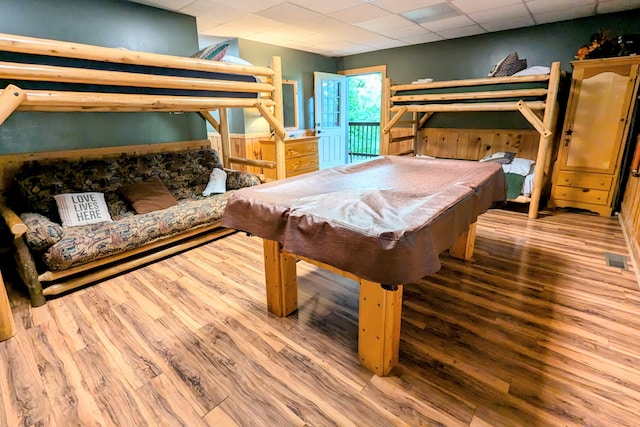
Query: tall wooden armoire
{"x":595,"y":131}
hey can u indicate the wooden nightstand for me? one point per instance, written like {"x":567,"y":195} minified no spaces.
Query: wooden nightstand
{"x":301,"y":155}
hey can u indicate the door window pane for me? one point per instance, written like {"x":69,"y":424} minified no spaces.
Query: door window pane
{"x":331,"y":103}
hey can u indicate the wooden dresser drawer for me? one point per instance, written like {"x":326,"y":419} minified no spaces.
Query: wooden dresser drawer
{"x":584,"y":195}
{"x":585,"y":180}
{"x":301,"y":163}
{"x":302,"y":148}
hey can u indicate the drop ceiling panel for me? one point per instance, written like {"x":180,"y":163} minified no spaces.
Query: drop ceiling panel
{"x":425,"y":38}
{"x":364,"y":12}
{"x":396,"y":6}
{"x":287,"y":12}
{"x":453,"y":33}
{"x":327,"y":6}
{"x":617,"y":5}
{"x":251,"y":6}
{"x":411,"y":30}
{"x":318,"y":26}
{"x":209,"y":10}
{"x":540,"y":6}
{"x":255,"y":23}
{"x":516,"y":22}
{"x":385,"y":23}
{"x":563,"y":15}
{"x":501,"y":14}
{"x":470,"y":6}
{"x":448,"y":24}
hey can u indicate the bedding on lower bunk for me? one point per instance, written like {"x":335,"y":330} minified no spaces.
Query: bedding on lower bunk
{"x":519,"y":178}
{"x":518,"y":172}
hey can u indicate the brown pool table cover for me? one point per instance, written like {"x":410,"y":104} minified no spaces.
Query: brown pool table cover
{"x":385,"y":220}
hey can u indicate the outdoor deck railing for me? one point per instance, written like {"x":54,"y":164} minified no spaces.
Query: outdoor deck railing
{"x":364,"y":140}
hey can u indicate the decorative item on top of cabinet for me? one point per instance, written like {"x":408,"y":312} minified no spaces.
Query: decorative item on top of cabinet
{"x":301,"y":155}
{"x":596,"y":126}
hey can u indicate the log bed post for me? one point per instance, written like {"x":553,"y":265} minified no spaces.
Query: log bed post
{"x":28,"y":272}
{"x":385,"y":141}
{"x":225,"y":138}
{"x":7,"y":324}
{"x":545,"y":145}
{"x":276,"y":66}
{"x":10,"y":99}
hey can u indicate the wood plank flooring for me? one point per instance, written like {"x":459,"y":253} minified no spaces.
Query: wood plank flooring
{"x":536,"y":330}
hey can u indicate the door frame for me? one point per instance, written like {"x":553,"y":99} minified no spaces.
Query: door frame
{"x":384,"y":102}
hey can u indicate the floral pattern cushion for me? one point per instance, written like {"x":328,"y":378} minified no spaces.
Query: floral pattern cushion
{"x":86,"y":243}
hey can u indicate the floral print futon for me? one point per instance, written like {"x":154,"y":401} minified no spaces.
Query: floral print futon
{"x":185,"y":174}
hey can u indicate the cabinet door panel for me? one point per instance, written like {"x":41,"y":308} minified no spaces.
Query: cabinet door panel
{"x":597,"y":124}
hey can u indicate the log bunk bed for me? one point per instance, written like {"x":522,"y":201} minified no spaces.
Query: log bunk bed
{"x":37,"y":77}
{"x":537,"y":104}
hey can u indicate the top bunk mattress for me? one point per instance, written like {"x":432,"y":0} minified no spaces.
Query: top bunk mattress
{"x":14,"y":61}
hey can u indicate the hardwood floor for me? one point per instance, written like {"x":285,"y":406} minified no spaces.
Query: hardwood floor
{"x":535,"y":331}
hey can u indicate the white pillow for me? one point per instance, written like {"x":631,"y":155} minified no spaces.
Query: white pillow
{"x":235,"y":60}
{"x":82,"y":208}
{"x":519,"y":166}
{"x":533,"y":70}
{"x":217,"y":183}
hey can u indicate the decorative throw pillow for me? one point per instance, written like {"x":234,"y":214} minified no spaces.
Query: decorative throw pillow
{"x":82,"y":208}
{"x":41,"y":231}
{"x":503,"y":157}
{"x":212,"y":53}
{"x":241,"y":179}
{"x":217,"y":183}
{"x":508,"y":66}
{"x":148,"y":196}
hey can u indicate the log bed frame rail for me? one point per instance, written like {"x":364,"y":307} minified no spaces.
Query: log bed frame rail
{"x":542,"y":115}
{"x":269,"y":103}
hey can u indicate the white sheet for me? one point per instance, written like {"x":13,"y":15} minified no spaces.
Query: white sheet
{"x":527,"y":185}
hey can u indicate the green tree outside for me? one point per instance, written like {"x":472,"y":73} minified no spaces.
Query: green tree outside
{"x":365,"y":94}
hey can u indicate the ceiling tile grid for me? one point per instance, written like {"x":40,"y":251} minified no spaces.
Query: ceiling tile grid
{"x":346,"y":27}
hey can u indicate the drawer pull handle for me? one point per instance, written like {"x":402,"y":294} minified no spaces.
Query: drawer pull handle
{"x":585,"y":190}
{"x":601,"y":182}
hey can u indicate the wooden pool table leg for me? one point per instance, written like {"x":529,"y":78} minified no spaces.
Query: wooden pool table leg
{"x":463,"y":248}
{"x":280,"y":277}
{"x":379,"y":317}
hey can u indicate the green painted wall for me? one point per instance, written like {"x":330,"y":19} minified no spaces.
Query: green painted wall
{"x":296,"y":65}
{"x":111,"y":23}
{"x":475,"y":56}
